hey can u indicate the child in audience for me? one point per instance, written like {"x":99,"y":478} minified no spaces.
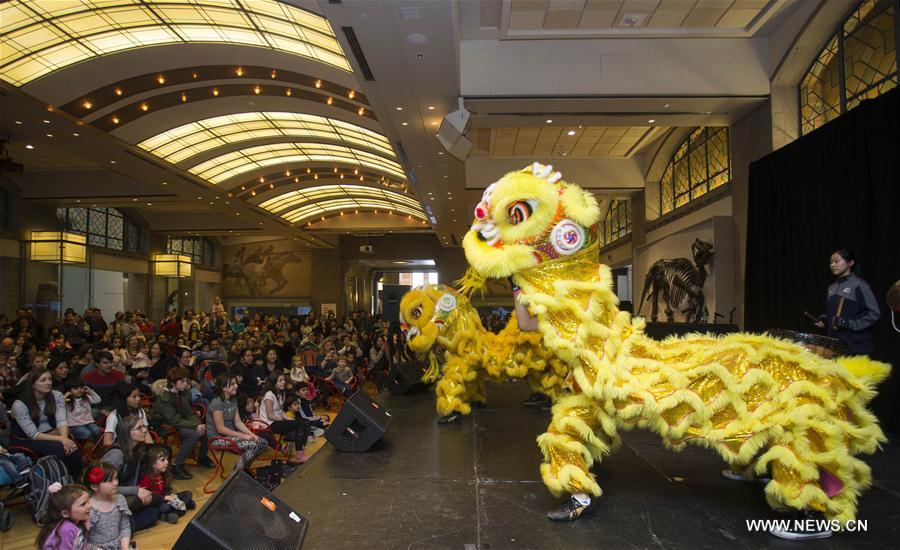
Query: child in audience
{"x":316,"y":423}
{"x":342,"y":376}
{"x":108,"y":525}
{"x":16,"y":466}
{"x":157,"y":479}
{"x":79,"y":398}
{"x":299,"y":376}
{"x":128,"y":402}
{"x":69,"y":509}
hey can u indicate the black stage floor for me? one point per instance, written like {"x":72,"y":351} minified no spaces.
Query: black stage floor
{"x":475,"y":485}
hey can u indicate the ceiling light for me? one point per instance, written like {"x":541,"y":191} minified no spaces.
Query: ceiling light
{"x":77,"y":200}
{"x":183,"y":97}
{"x":215,"y":92}
{"x":118,"y":91}
{"x":549,"y":121}
{"x":76,"y":134}
{"x":165,"y":183}
{"x":666,"y":106}
{"x":399,"y":108}
{"x":18,"y":122}
{"x":570,"y":133}
{"x":145,"y":107}
{"x":115,"y":119}
{"x":361,"y":111}
{"x":161,"y":79}
{"x":296,"y":180}
{"x":440,"y":152}
{"x":330,"y":100}
{"x":351,"y":94}
{"x":239,"y":71}
{"x":135,"y":200}
{"x":288,"y":92}
{"x":651,"y":121}
{"x":29,"y":146}
{"x":256,"y":90}
{"x":87,"y":104}
{"x":431,"y":107}
{"x":112,"y":162}
{"x":193,"y":75}
{"x":318,"y":84}
{"x":46,"y":122}
{"x":405,"y":123}
{"x":49,"y":135}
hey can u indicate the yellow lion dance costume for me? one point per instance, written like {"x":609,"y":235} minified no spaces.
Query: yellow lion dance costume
{"x":441,"y":316}
{"x":760,"y":402}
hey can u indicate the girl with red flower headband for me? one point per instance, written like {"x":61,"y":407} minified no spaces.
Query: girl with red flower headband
{"x":109,"y":524}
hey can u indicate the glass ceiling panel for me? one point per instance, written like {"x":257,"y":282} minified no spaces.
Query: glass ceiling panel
{"x":329,"y":207}
{"x":235,"y":163}
{"x":197,"y":137}
{"x":38,"y":37}
{"x":301,"y":204}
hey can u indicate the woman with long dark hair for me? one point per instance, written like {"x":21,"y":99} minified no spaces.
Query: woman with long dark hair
{"x":271,"y":413}
{"x":41,"y":422}
{"x":127,"y":457}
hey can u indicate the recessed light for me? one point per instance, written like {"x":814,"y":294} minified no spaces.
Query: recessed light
{"x":76,"y":134}
{"x":112,"y":162}
{"x":399,"y":108}
{"x":135,"y":200}
{"x":29,"y":146}
{"x":570,"y":133}
{"x":431,"y":107}
{"x":445,"y":177}
{"x":49,"y":135}
{"x":666,"y":106}
{"x":77,"y":200}
{"x":199,"y":198}
{"x":46,"y":122}
{"x":165,"y":183}
{"x":549,"y":121}
{"x":149,"y":204}
{"x":651,"y":121}
{"x":405,"y":123}
{"x":440,"y":152}
{"x":18,"y":122}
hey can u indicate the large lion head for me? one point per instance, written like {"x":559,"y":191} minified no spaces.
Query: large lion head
{"x":528,"y":217}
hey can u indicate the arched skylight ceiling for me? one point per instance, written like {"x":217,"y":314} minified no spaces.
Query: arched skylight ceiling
{"x":197,"y":137}
{"x":239,"y":162}
{"x":38,"y":37}
{"x":303,"y":204}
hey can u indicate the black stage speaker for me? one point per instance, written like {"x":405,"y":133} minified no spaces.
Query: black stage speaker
{"x":359,"y":425}
{"x":390,"y":301}
{"x":243,"y":515}
{"x":405,"y":377}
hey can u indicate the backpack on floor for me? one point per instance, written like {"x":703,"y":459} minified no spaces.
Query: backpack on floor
{"x":44,"y":473}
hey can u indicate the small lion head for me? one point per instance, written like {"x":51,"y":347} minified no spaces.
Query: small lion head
{"x":528,"y":217}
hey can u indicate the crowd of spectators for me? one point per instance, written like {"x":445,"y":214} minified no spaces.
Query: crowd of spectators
{"x":87,"y":390}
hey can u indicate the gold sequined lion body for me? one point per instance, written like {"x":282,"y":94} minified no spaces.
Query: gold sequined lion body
{"x":761,"y":403}
{"x":440,"y":317}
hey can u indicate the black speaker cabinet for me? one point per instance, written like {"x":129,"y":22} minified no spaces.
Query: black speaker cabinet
{"x":405,"y":378}
{"x":390,"y":301}
{"x":243,"y":515}
{"x":359,"y":425}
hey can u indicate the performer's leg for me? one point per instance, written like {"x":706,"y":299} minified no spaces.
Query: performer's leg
{"x":452,"y":389}
{"x":579,"y":434}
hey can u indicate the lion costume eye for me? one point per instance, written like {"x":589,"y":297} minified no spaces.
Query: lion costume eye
{"x":520,"y":211}
{"x":417,"y":312}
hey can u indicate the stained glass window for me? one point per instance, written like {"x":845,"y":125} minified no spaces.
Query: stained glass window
{"x":616,"y":223}
{"x":700,"y":164}
{"x":104,"y":227}
{"x":858,"y":62}
{"x":200,"y":249}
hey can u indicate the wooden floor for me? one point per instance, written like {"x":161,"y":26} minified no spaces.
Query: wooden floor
{"x":162,"y":535}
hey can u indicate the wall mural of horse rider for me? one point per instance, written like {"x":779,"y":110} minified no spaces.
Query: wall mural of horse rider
{"x":252,"y":271}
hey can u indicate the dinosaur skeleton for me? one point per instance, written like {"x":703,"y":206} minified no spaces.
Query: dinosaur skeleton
{"x":677,"y":279}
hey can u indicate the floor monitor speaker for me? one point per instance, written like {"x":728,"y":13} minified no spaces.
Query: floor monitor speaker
{"x":243,"y":515}
{"x":405,"y":378}
{"x":359,"y":425}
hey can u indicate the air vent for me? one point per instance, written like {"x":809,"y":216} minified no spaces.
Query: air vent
{"x":358,"y":53}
